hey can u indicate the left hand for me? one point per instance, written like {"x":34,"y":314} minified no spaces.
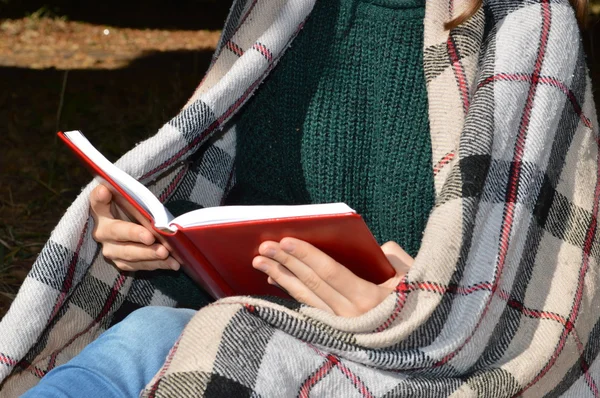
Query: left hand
{"x":313,"y":278}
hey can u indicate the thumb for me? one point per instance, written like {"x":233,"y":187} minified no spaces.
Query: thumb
{"x":400,"y":260}
{"x":100,"y":200}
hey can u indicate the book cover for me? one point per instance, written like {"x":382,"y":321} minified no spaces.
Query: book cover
{"x":218,"y":256}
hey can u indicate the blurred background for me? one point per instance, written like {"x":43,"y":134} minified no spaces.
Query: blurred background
{"x":115,"y":69}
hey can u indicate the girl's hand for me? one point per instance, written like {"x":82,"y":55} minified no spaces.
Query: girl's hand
{"x":313,"y":278}
{"x":130,"y":246}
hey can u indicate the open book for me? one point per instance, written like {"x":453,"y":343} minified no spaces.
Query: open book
{"x":216,"y":245}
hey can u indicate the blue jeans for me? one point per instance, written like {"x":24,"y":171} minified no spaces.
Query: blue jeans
{"x":121,"y":361}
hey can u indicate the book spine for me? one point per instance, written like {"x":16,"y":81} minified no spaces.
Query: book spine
{"x":195,"y":264}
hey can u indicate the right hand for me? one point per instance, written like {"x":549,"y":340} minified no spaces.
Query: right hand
{"x":130,"y":246}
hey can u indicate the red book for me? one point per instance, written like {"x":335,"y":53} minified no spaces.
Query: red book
{"x":216,"y":245}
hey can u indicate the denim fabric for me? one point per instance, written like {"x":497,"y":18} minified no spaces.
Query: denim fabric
{"x":121,"y":361}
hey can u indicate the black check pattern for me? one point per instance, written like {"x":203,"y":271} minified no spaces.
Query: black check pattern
{"x":502,"y":299}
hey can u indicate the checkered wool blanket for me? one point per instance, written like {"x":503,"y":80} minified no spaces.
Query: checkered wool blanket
{"x":503,"y":297}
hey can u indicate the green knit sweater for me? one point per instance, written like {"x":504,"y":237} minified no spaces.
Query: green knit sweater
{"x":343,"y":117}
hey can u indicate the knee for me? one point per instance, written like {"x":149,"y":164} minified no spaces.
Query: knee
{"x":148,"y":322}
{"x":149,"y":317}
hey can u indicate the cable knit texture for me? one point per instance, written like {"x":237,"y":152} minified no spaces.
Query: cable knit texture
{"x":353,"y":127}
{"x":502,"y":299}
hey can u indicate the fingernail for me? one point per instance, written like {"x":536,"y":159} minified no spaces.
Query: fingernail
{"x":162,"y":252}
{"x":270,"y":281}
{"x":144,"y":238}
{"x":268,"y":251}
{"x":259,"y":265}
{"x":287,"y":246}
{"x":173,"y":264}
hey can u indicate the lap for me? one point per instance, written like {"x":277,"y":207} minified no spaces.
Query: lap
{"x":122,"y":360}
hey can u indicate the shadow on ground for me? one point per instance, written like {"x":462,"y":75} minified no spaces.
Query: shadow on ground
{"x":39,"y":178}
{"x":591,"y":40}
{"x":150,"y":14}
{"x":115,"y":108}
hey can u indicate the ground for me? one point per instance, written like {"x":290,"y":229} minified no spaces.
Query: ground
{"x":117,"y":84}
{"x":115,"y":79}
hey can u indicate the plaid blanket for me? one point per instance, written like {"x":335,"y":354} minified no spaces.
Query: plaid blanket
{"x":502,"y":298}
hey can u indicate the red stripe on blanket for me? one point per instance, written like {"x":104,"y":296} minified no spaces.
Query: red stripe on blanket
{"x":485,"y":286}
{"x":173,"y":351}
{"x":546,"y":80}
{"x":218,"y":122}
{"x":360,"y":386}
{"x":216,"y":55}
{"x":514,"y":177}
{"x":317,"y":376}
{"x":590,"y":382}
{"x":105,"y":309}
{"x":34,"y":370}
{"x":570,"y":325}
{"x":443,"y":162}
{"x":241,"y":23}
{"x":171,"y":187}
{"x":165,"y":367}
{"x":459,"y":73}
{"x":68,"y":281}
{"x":323,"y":370}
{"x":228,"y":185}
{"x":399,"y":305}
{"x":261,"y":48}
{"x":234,"y":48}
{"x":591,"y":232}
{"x":585,"y":367}
{"x":215,"y":125}
{"x":6,"y":360}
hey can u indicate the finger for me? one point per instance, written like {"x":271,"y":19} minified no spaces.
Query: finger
{"x":400,"y":260}
{"x":118,"y":213}
{"x":100,"y":199}
{"x":122,"y":231}
{"x":271,"y":281}
{"x":134,"y":252}
{"x":168,"y":264}
{"x":281,"y":276}
{"x":340,"y":278}
{"x":306,"y":275}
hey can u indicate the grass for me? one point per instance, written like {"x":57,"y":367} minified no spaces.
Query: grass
{"x":116,"y":108}
{"x":40,"y":178}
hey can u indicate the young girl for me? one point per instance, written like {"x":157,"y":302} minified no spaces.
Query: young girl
{"x":490,"y":181}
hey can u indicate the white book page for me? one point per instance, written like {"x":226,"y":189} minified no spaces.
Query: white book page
{"x":142,"y":195}
{"x":227,"y":214}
